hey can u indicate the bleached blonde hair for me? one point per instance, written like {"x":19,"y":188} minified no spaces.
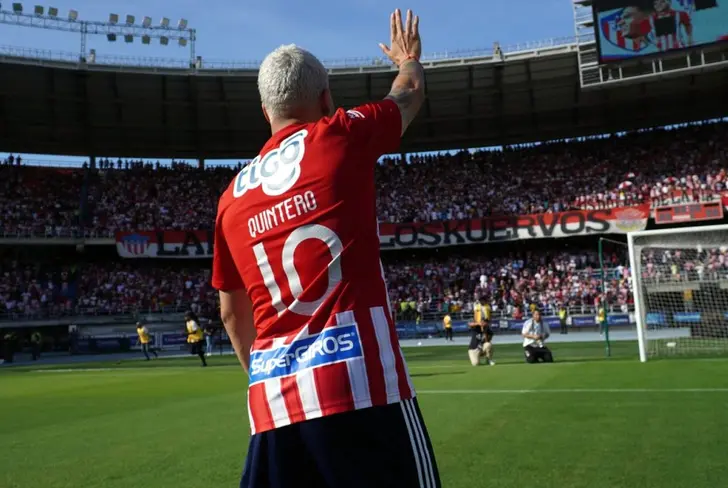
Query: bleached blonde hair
{"x":290,"y":77}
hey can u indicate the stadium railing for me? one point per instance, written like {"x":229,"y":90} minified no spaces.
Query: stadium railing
{"x":69,"y":233}
{"x":78,"y":313}
{"x":47,"y":163}
{"x":502,"y":314}
{"x":133,"y":313}
{"x":663,"y":273}
{"x":26,"y":53}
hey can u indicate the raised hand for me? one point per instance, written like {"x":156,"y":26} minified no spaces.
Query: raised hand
{"x":405,"y":40}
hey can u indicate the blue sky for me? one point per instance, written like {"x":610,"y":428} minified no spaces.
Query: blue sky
{"x":331,"y":29}
{"x":238,"y":30}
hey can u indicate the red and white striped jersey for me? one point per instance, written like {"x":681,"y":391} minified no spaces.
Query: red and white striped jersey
{"x":679,"y":21}
{"x":615,"y":33}
{"x":297,"y":229}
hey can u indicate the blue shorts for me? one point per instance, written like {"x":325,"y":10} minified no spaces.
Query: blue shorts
{"x":377,"y":447}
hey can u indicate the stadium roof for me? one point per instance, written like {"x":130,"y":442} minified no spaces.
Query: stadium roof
{"x":53,"y":105}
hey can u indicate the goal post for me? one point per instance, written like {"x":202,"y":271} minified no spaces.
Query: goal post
{"x":680,"y":288}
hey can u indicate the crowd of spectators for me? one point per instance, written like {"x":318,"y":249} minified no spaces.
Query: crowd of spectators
{"x":510,"y":284}
{"x":120,"y":288}
{"x":645,"y":167}
{"x":39,"y":201}
{"x":92,"y":289}
{"x":693,"y":263}
{"x":35,"y":289}
{"x":150,"y":197}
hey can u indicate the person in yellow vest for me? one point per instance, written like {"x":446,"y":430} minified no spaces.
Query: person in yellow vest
{"x":447,"y":322}
{"x":563,"y":313}
{"x":602,"y":319}
{"x":477,"y":314}
{"x":145,"y":340}
{"x":195,"y":336}
{"x":403,"y":308}
{"x":412,"y":309}
{"x":481,"y":337}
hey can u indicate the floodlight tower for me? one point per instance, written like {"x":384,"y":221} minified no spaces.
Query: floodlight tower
{"x":116,"y":27}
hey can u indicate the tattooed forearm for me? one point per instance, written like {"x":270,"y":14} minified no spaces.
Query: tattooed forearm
{"x":408,"y":91}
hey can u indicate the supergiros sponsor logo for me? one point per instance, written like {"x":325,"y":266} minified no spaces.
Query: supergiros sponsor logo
{"x":328,"y":347}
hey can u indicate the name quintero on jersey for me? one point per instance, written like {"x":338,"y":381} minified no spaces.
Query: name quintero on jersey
{"x":283,"y":211}
{"x":332,"y":345}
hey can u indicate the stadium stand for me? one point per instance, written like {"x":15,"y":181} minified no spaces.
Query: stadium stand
{"x":90,"y":289}
{"x":554,"y":177}
{"x":585,"y":174}
{"x":450,"y":284}
{"x":178,"y":197}
{"x":685,"y":265}
{"x":39,"y":201}
{"x":510,"y":284}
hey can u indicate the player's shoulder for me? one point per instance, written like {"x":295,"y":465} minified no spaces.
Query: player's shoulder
{"x":364,"y":113}
{"x":361,"y":112}
{"x":226,"y":197}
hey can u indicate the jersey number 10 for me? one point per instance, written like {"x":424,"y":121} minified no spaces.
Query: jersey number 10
{"x":313,"y":231}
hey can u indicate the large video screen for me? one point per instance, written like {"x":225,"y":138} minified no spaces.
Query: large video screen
{"x":629,"y":28}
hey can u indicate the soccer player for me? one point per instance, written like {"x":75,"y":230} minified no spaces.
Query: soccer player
{"x":302,"y":290}
{"x":144,"y":339}
{"x":447,"y":323}
{"x":632,"y":30}
{"x":535,"y":331}
{"x":195,"y":336}
{"x":668,"y":26}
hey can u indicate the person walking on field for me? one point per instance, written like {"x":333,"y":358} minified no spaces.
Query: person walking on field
{"x":447,"y":323}
{"x":195,"y":336}
{"x":36,"y":344}
{"x":145,"y":340}
{"x":302,"y":290}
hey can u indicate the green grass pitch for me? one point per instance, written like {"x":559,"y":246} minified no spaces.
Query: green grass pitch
{"x":581,"y":422}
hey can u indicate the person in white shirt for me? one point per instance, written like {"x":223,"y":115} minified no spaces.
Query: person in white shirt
{"x":535,"y":331}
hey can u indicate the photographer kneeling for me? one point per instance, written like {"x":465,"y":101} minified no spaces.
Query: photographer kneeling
{"x":535,"y":332}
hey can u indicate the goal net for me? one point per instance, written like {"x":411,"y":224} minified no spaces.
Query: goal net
{"x":680,"y":284}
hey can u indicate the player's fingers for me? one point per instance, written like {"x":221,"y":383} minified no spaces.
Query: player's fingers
{"x":398,"y":22}
{"x":384,"y":48}
{"x":408,"y":24}
{"x":416,"y":26}
{"x":393,"y":26}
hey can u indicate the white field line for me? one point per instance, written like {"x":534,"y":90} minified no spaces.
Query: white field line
{"x":574,"y":390}
{"x":74,"y":370}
